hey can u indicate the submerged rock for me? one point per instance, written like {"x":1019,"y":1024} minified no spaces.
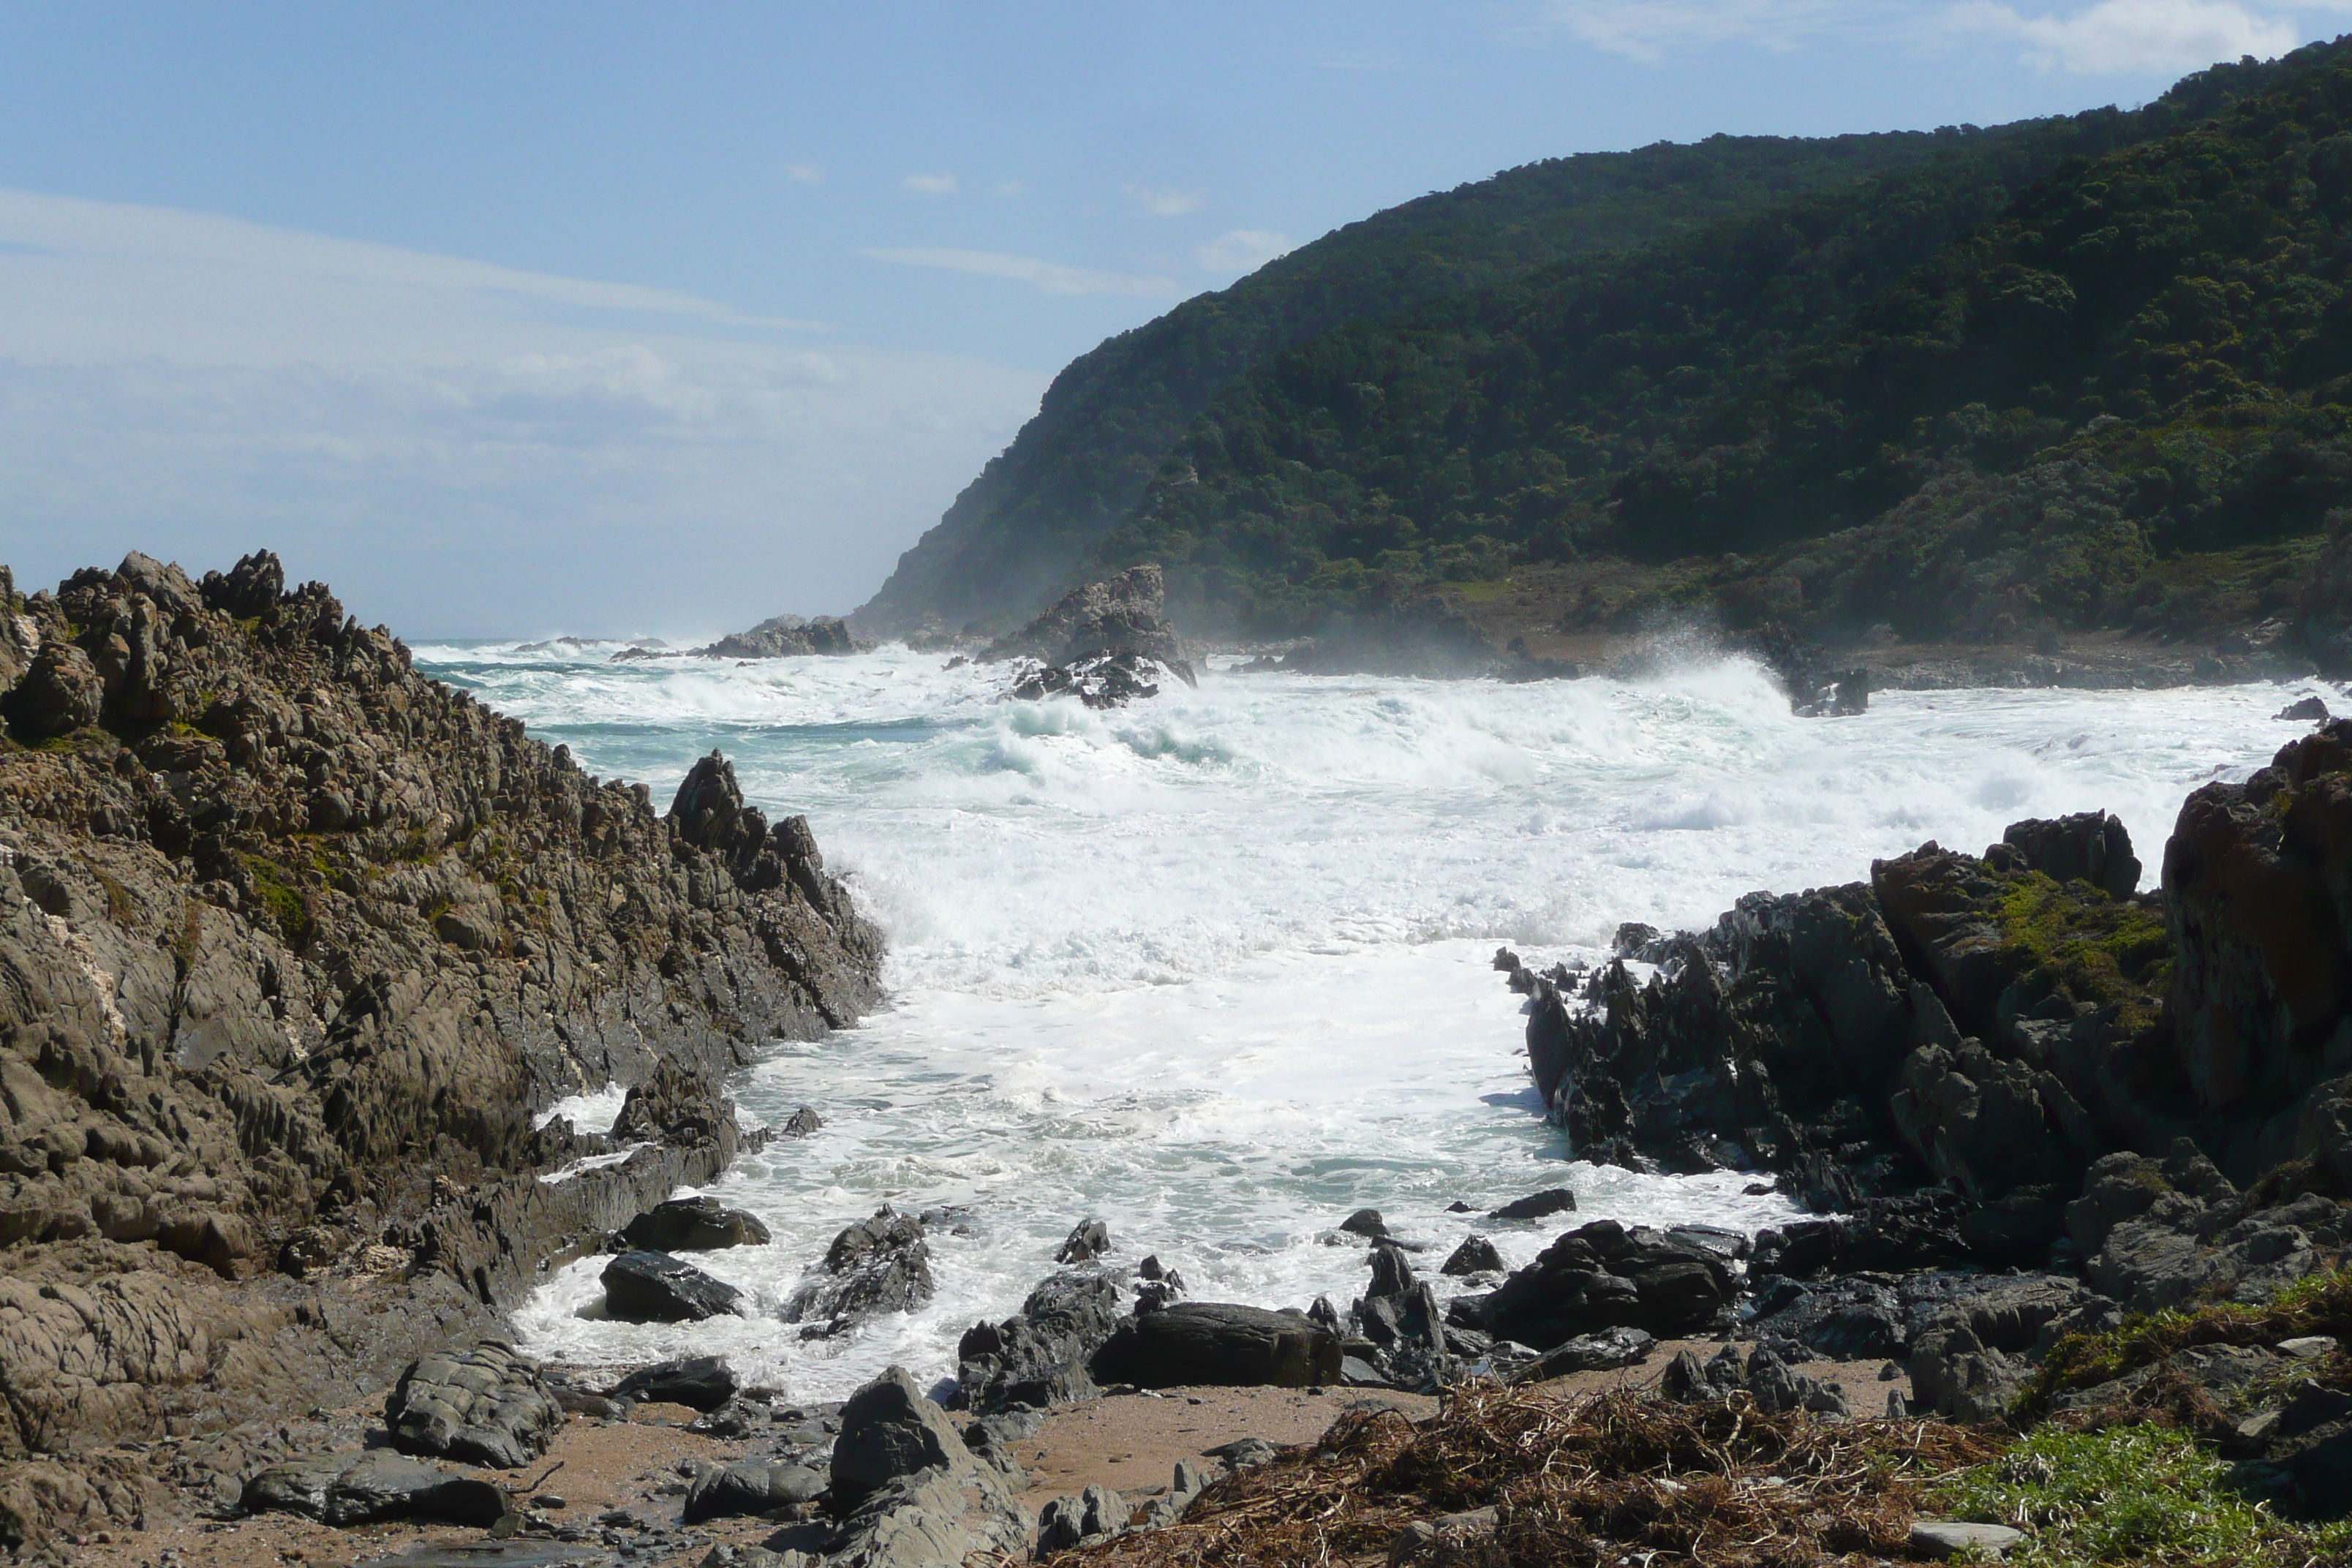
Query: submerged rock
{"x":878,"y":1264}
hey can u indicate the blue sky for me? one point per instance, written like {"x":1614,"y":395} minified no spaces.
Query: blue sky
{"x":592,"y":318}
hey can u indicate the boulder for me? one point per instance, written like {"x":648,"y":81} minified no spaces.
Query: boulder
{"x":1039,"y":1356}
{"x":1605,"y":1351}
{"x":1604,"y":1275}
{"x":1365,"y":1223}
{"x":368,"y":1488}
{"x":933,"y":1517}
{"x":1538,"y":1206}
{"x":700,"y":1383}
{"x":694,"y":1225}
{"x":890,"y":1430}
{"x":2090,"y":846}
{"x":1087,"y":1240}
{"x":1476,"y":1254}
{"x":485,"y":1406}
{"x":60,"y":693}
{"x":878,"y":1265}
{"x":2305,"y":711}
{"x":1391,"y":1273}
{"x":751,"y":1486}
{"x":1219,"y":1342}
{"x":655,"y":1287}
{"x":1065,"y":1522}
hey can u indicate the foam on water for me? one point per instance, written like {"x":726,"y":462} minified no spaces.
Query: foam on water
{"x":1214,"y":967}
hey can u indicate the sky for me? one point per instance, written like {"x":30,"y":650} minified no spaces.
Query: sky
{"x":524,"y":319}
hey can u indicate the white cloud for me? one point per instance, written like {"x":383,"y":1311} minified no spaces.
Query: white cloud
{"x":805,"y":173}
{"x":457,"y":446}
{"x":931,"y":184}
{"x":1012,"y":189}
{"x":2139,"y":36}
{"x":1045,"y":277}
{"x":1646,"y":29}
{"x":1166,"y":201}
{"x":1241,"y":251}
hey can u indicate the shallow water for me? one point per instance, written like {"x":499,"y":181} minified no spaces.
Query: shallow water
{"x":1216,"y":967}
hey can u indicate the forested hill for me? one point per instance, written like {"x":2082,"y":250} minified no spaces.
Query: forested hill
{"x":1040,"y":510}
{"x":2093,"y":372}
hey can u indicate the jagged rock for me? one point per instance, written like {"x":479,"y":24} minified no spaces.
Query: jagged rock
{"x":1538,"y":1206}
{"x":2090,"y":846}
{"x":801,"y":1123}
{"x":889,"y":1430}
{"x":753,"y":1487}
{"x":655,"y":1287}
{"x":1101,"y":681}
{"x":785,"y":637}
{"x":1391,"y":1273}
{"x":1476,"y":1254}
{"x":694,"y":1225}
{"x":1123,"y":615}
{"x":485,"y":1406}
{"x":1365,"y":1223}
{"x":1604,"y":1275}
{"x":1088,"y":1240}
{"x":1065,"y":1522}
{"x":1218,"y":1342}
{"x":364,"y":1489}
{"x":1604,"y":1351}
{"x":2305,"y":711}
{"x":700,"y":1383}
{"x":1955,"y":1373}
{"x":1839,"y":1320}
{"x":1040,"y":1355}
{"x":61,"y":693}
{"x":934,"y":1516}
{"x":878,"y":1265}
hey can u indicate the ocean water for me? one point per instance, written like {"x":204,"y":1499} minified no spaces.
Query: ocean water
{"x":1215,"y":968}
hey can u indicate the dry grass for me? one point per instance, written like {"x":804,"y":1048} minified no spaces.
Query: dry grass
{"x":1603,"y":1480}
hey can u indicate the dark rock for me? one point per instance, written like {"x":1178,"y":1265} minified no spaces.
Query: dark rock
{"x":785,"y":637}
{"x":2091,"y":846}
{"x":1391,"y":1273}
{"x":364,"y":1489}
{"x":1040,"y":1355}
{"x":485,"y":1406}
{"x":801,"y":1123}
{"x":1065,"y":1522}
{"x":1103,"y":681}
{"x":878,"y":1264}
{"x":655,"y":1287}
{"x":1604,"y":1275}
{"x":700,"y":1383}
{"x":1123,"y":615}
{"x":1365,"y":1223}
{"x":1216,"y":1342}
{"x":888,"y":1430}
{"x":1476,"y":1254}
{"x":2305,"y":711}
{"x":1840,"y":1319}
{"x":61,"y":693}
{"x":1088,"y":1239}
{"x":1605,"y":1351}
{"x":751,"y":1486}
{"x":1538,"y":1206}
{"x":694,"y":1225}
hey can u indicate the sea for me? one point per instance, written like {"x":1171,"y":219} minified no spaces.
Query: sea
{"x":1217,"y":968}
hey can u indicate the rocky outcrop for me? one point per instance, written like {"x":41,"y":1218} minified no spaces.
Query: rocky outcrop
{"x":1099,"y":681}
{"x":295,"y":941}
{"x":1604,"y":1276}
{"x":694,"y":1225}
{"x":1040,"y":1356}
{"x":913,"y":1492}
{"x":1218,"y":1342}
{"x":485,"y":1406}
{"x":1123,"y":615}
{"x":878,"y":1264}
{"x":785,"y":637}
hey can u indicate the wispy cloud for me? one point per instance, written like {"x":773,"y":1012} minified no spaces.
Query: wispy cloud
{"x":805,"y":173}
{"x":1646,"y":29}
{"x":2125,"y":37}
{"x":1012,"y":189}
{"x":1166,"y":201}
{"x":1241,"y":250}
{"x":1045,"y":277}
{"x":931,"y":184}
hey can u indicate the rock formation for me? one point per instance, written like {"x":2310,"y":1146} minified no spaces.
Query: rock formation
{"x":1126,"y":614}
{"x":295,"y":942}
{"x":782,"y":636}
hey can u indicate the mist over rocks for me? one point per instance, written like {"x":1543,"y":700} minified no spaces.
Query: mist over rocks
{"x":297,"y":941}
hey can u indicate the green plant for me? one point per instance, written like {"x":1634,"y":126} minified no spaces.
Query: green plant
{"x":288,"y":906}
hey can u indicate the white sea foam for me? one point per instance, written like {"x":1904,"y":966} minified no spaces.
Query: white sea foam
{"x":587,"y":1112}
{"x":1214,"y":967}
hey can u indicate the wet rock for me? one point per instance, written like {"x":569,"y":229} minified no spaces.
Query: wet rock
{"x":2090,"y":846}
{"x":1087,"y":1240}
{"x":485,"y":1406}
{"x":785,"y":637}
{"x":801,"y":1123}
{"x":1122,"y":614}
{"x":1476,"y":1254}
{"x":1838,"y":1320}
{"x":1604,"y":1275}
{"x":2305,"y":711}
{"x":1365,"y":1223}
{"x":1103,"y":681}
{"x":1538,"y":1206}
{"x":1039,"y":1356}
{"x":700,"y":1383}
{"x":751,"y":1486}
{"x":655,"y":1287}
{"x":694,"y":1225}
{"x":364,"y":1489}
{"x":1391,"y":1273}
{"x":878,"y":1264}
{"x":1605,"y":1351}
{"x":1218,"y":1342}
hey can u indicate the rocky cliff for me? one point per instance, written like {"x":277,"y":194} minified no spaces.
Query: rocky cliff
{"x":294,"y":943}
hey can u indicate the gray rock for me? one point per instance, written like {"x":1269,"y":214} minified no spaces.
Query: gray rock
{"x":1040,"y":1355}
{"x":1365,"y":1223}
{"x":1244,"y":1453}
{"x":694,"y":1225}
{"x":1476,"y":1254}
{"x":700,"y":1383}
{"x":485,"y":1406}
{"x":1604,"y":1351}
{"x":751,"y":1486}
{"x":1088,"y":1239}
{"x":1219,"y":1342}
{"x":889,"y":1430}
{"x":1538,"y":1206}
{"x":1940,"y":1539}
{"x":876,"y":1265}
{"x":1391,"y":1273}
{"x":934,"y":1517}
{"x":1065,"y":1522}
{"x":364,"y":1489}
{"x":655,"y":1287}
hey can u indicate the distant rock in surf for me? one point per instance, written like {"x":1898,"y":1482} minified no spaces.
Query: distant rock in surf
{"x":784,"y":637}
{"x":1122,"y":614}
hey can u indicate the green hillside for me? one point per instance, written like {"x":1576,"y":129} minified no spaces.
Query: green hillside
{"x":1040,"y":511}
{"x":2092,"y":371}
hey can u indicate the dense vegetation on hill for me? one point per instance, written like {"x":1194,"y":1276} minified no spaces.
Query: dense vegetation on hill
{"x":2018,"y":384}
{"x":1038,"y":511}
